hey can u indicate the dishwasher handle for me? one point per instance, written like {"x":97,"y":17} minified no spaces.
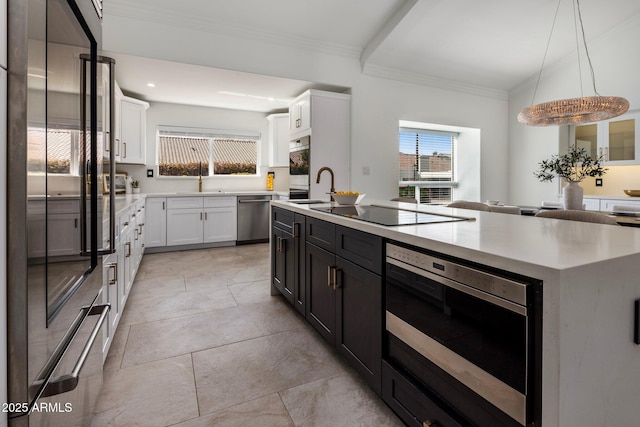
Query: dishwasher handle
{"x":254,"y":200}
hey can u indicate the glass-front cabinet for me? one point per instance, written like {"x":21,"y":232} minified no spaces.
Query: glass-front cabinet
{"x":616,"y":141}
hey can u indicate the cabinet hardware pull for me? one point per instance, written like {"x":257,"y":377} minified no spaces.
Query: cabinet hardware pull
{"x":162,"y":205}
{"x":335,"y":278}
{"x":128,"y":244}
{"x":126,"y":223}
{"x":600,"y":152}
{"x":75,"y":223}
{"x":117,"y":147}
{"x":294,"y":227}
{"x":279,"y":244}
{"x":329,"y":268}
{"x":206,"y":217}
{"x":136,"y":234}
{"x":200,"y":216}
{"x":114,"y":266}
{"x":124,"y":145}
{"x":284,"y":244}
{"x":606,"y":154}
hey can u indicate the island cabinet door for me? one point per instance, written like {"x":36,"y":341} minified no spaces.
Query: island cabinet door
{"x":279,"y":260}
{"x":321,"y":301}
{"x":299,"y":263}
{"x":359,"y":320}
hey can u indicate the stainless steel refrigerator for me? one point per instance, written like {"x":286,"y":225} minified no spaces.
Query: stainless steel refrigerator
{"x":59,"y":221}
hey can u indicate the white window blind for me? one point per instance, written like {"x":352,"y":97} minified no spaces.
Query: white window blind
{"x":426,"y":165}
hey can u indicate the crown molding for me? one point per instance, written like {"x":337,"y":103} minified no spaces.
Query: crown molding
{"x":128,"y":10}
{"x":425,"y":80}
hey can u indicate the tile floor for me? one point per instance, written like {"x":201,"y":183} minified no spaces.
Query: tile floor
{"x":202,"y":343}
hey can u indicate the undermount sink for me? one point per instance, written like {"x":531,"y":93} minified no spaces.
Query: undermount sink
{"x":307,"y":201}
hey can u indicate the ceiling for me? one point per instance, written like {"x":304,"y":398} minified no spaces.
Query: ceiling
{"x":492,"y":44}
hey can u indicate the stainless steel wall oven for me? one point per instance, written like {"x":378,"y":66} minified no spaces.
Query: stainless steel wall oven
{"x":466,"y":337}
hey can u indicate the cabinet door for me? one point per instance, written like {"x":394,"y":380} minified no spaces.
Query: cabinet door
{"x":220,"y":224}
{"x":359,"y":320}
{"x":283,"y":263}
{"x":621,"y":140}
{"x":299,"y":226}
{"x":184,"y":226}
{"x":110,"y":295}
{"x":279,"y":136}
{"x":321,"y":299}
{"x":155,"y":224}
{"x":133,"y":124}
{"x":63,"y":235}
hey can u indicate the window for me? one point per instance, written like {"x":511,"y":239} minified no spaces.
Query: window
{"x":53,"y":150}
{"x":189,"y":152}
{"x":426,"y":164}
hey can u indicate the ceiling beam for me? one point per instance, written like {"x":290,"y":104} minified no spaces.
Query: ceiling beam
{"x":385,"y":31}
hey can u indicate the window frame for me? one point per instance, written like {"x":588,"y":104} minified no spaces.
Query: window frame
{"x":418,"y":185}
{"x":210,"y":134}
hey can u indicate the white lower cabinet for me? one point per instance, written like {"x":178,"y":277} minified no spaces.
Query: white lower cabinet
{"x":220,"y":224}
{"x":184,"y":226}
{"x":120,"y":268}
{"x":195,"y":220}
{"x":110,"y":296}
{"x":155,"y":227}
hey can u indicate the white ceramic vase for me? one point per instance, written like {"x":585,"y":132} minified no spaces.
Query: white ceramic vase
{"x":136,"y":190}
{"x":572,"y":194}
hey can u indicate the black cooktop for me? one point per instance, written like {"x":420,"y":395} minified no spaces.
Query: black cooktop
{"x":387,"y":216}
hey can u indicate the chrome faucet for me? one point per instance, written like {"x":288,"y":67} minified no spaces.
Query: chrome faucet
{"x":326,"y":168}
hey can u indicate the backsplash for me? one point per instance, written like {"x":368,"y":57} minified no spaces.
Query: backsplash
{"x":614,"y":181}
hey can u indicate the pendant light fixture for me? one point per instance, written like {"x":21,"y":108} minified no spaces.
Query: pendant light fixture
{"x":585,"y":109}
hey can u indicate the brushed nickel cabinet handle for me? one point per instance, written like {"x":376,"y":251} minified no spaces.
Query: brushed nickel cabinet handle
{"x":162,"y":205}
{"x":128,"y":245}
{"x":294,"y":227}
{"x":124,"y":145}
{"x":335,"y":278}
{"x":114,"y":266}
{"x":329,"y":275}
{"x":75,"y":223}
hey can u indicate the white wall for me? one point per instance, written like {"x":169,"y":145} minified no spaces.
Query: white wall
{"x":377,"y":103}
{"x":200,"y":117}
{"x":616,"y":63}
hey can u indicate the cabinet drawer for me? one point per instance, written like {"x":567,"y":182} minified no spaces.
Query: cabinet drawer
{"x":220,"y":202}
{"x":282,"y":219}
{"x":361,"y":248}
{"x":184,"y":202}
{"x":411,"y":404}
{"x":321,"y":233}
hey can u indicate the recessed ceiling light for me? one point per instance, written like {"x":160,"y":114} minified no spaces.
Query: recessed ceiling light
{"x":150,"y":84}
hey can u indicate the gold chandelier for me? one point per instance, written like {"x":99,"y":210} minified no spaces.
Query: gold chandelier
{"x":575,"y":110}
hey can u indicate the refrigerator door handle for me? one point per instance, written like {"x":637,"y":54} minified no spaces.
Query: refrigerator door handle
{"x":68,"y":382}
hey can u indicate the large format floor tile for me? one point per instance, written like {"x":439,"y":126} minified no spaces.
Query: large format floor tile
{"x":244,"y":371}
{"x":343,"y":400}
{"x":265,"y":411}
{"x":171,"y":337}
{"x":155,"y":394}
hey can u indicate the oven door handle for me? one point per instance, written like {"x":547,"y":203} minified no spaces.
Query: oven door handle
{"x":68,"y":382}
{"x":516,"y":308}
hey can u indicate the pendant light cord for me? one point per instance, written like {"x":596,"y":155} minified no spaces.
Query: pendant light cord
{"x":584,"y":40}
{"x":555,"y":17}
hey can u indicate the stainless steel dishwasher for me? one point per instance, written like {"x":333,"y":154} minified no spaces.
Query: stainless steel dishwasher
{"x":253,"y":219}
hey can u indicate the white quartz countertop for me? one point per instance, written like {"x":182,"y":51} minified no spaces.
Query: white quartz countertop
{"x":215,"y":193}
{"x":513,"y":242}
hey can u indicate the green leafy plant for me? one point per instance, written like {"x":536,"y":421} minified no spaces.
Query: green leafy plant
{"x":135,"y":183}
{"x":574,"y":166}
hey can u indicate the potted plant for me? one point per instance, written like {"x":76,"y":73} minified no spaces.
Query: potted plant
{"x":135,"y":186}
{"x":573,"y":167}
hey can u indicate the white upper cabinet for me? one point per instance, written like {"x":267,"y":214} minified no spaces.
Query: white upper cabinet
{"x":300,"y":115}
{"x":279,"y":136}
{"x":133,"y":131}
{"x":617,"y":140}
